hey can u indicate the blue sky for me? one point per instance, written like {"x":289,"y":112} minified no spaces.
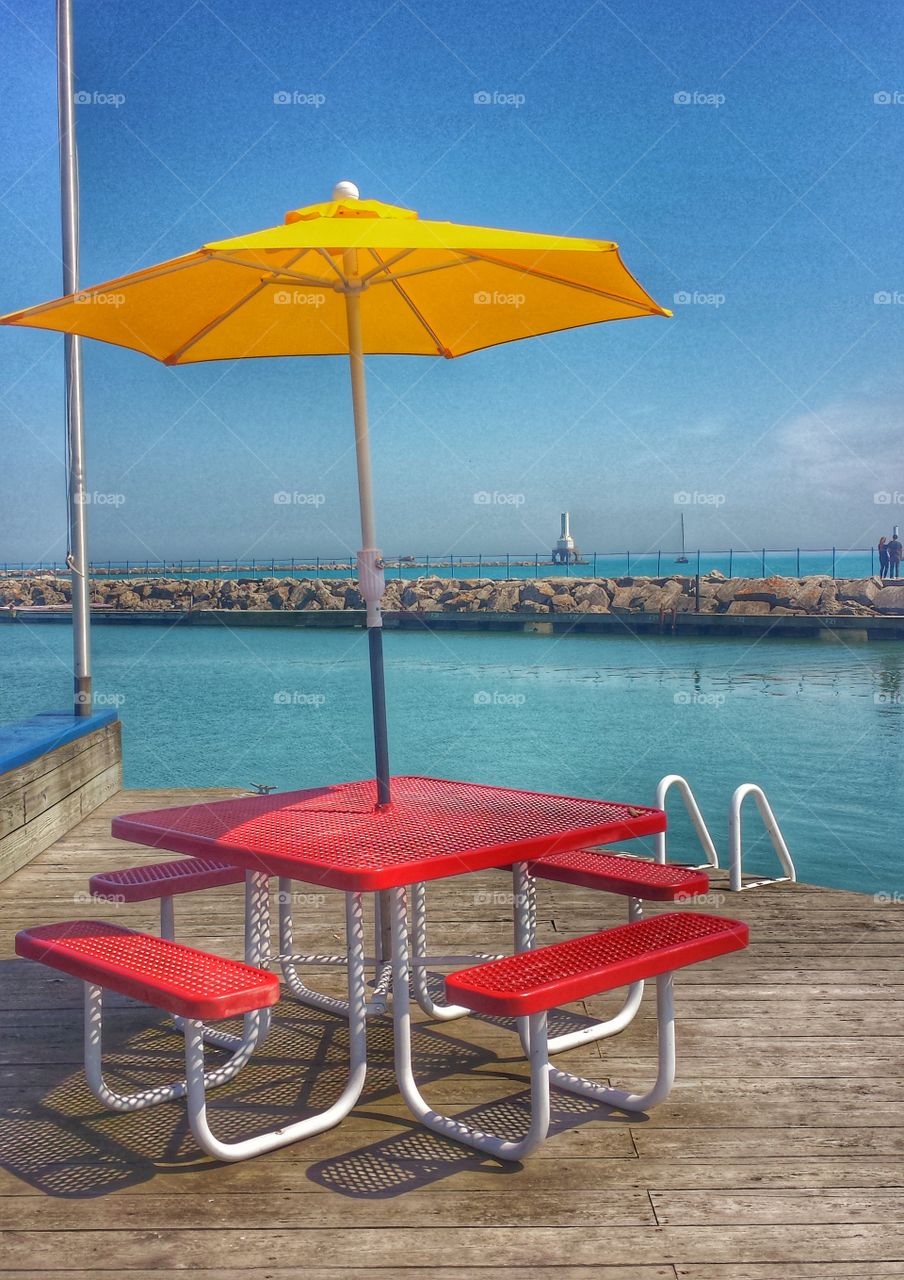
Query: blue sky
{"x":738,"y":154}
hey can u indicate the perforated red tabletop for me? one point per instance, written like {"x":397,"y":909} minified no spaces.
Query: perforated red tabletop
{"x":334,"y":836}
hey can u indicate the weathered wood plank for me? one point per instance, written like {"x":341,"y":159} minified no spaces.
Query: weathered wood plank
{"x":581,"y":1245}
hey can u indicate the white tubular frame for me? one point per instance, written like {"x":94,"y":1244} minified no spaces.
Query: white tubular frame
{"x":525,"y":914}
{"x":735,"y":850}
{"x":542,"y":1074}
{"x":255,"y":1024}
{"x":693,"y":811}
{"x":357,"y":1017}
{"x":212,"y":1035}
{"x":503,"y":1148}
{"x":289,"y":962}
{"x":420,"y":961}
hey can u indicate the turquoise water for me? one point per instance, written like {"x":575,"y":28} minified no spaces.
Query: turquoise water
{"x":819,"y":726}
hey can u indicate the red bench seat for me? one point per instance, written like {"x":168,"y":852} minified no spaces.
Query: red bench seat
{"x":181,"y":980}
{"x":615,"y":873}
{"x":535,"y":981}
{"x":164,"y":879}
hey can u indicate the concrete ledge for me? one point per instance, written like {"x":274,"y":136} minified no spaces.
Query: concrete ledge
{"x":803,"y":626}
{"x":55,"y":770}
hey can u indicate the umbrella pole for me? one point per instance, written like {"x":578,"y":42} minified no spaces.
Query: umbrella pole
{"x":371,"y":582}
{"x":370,"y":564}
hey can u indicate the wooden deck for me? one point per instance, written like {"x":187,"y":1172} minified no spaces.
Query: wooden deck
{"x":778,"y":1155}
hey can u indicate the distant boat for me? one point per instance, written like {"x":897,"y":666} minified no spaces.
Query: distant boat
{"x":682,"y":559}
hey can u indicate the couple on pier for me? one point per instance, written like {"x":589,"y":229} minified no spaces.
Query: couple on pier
{"x":890,"y":556}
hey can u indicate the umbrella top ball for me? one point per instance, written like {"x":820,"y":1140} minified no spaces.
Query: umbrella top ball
{"x":346,"y":191}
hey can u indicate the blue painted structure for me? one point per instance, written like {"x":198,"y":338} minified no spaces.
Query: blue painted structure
{"x":26,"y":740}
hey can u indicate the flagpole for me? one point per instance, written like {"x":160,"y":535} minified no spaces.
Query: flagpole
{"x":77,"y":557}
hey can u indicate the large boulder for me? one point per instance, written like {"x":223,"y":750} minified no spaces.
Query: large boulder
{"x":748,"y":607}
{"x":352,"y":597}
{"x":774,"y":590}
{"x":891,"y":599}
{"x":563,"y":602}
{"x":538,"y":592}
{"x":859,"y":591}
{"x":504,"y":598}
{"x":592,"y":596}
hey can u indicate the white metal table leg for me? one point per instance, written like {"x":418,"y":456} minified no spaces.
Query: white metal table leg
{"x":255,"y":1024}
{"x":433,"y":1009}
{"x":447,"y":1125}
{"x":306,"y":995}
{"x":525,"y":919}
{"x":260,"y":1143}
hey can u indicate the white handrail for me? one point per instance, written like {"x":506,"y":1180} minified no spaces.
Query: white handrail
{"x":770,"y":822}
{"x":693,"y":811}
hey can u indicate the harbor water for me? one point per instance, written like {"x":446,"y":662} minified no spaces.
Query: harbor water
{"x":819,"y":726}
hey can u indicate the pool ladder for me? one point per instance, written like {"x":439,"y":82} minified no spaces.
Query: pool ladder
{"x":735,"y":844}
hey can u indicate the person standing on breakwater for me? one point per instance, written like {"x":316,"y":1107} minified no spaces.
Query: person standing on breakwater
{"x":883,"y":557}
{"x":894,"y":556}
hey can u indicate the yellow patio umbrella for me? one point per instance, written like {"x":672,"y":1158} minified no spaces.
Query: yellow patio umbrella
{"x":355,"y":277}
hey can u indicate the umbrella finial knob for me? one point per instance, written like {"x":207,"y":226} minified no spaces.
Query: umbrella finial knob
{"x":346,"y":191}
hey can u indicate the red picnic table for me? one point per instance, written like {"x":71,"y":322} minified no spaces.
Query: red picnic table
{"x":337,"y":837}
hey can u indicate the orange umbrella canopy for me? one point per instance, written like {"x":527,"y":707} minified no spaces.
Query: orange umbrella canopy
{"x":424,"y":288}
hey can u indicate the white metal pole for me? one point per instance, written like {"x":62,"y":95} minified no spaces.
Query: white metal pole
{"x":77,"y":557}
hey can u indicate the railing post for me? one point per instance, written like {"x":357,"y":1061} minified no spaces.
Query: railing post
{"x":764,"y":562}
{"x":698,"y":581}
{"x":628,"y":562}
{"x":872,"y":561}
{"x":479,"y":564}
{"x":536,"y":564}
{"x":730,"y":561}
{"x":798,"y":562}
{"x":451,"y":566}
{"x":833,"y":562}
{"x":659,"y":563}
